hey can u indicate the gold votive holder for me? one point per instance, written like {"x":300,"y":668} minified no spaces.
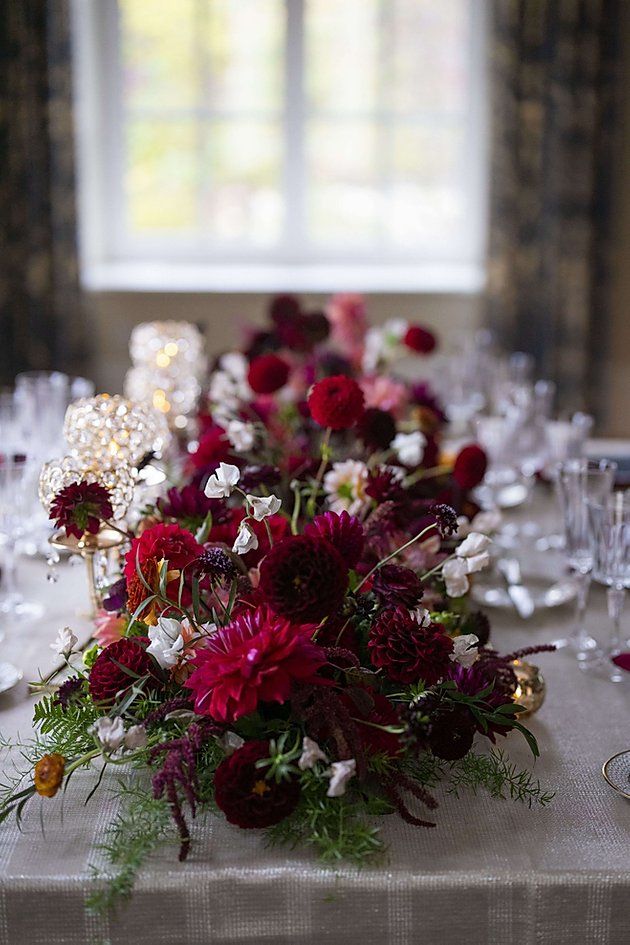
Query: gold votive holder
{"x":531,"y":688}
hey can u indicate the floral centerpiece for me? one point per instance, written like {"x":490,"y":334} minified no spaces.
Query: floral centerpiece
{"x":290,"y":642}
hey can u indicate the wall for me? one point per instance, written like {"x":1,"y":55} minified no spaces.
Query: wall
{"x":113,"y":314}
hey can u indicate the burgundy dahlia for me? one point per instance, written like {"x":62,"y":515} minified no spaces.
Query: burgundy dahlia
{"x":255,"y":658}
{"x":470,"y":466}
{"x":336,"y":402}
{"x":420,"y":339}
{"x":81,"y":507}
{"x":397,"y":586}
{"x":190,"y":506}
{"x":406,"y":651}
{"x":116,"y":668}
{"x":213,"y":448}
{"x":343,"y":531}
{"x":377,"y":428}
{"x":267,"y":373}
{"x":384,"y":485}
{"x":304,"y":578}
{"x":245,"y":796}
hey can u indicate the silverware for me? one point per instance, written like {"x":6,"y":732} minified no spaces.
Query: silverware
{"x":520,"y":596}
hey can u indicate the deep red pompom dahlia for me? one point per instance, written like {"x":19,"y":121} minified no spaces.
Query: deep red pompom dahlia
{"x":420,"y":339}
{"x":267,"y":373}
{"x":245,"y":796}
{"x":81,"y":507}
{"x":343,"y":531}
{"x":255,"y":658}
{"x":304,"y":578}
{"x":377,"y":428}
{"x":336,"y":402}
{"x":470,"y":466}
{"x":396,"y":585}
{"x":108,"y":676}
{"x":406,"y":651}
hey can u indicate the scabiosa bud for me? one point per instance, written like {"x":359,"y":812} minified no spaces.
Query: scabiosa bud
{"x":478,"y":623}
{"x":396,"y":586}
{"x":377,"y":428}
{"x":407,"y":651}
{"x":336,"y":402}
{"x":470,"y":466}
{"x":343,"y":531}
{"x":267,"y":373}
{"x":216,"y":563}
{"x":446,"y":519}
{"x":68,"y":692}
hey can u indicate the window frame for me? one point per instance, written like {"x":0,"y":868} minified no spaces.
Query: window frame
{"x":110,"y":262}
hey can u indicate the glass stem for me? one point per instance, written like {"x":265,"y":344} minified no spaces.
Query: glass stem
{"x":583,"y":584}
{"x":616,"y":598}
{"x":9,"y":582}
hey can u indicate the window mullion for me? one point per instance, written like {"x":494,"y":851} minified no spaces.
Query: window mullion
{"x":294,"y":126}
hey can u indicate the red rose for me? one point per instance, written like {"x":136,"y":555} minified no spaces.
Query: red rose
{"x":420,"y":339}
{"x":245,"y":796}
{"x":336,"y":402}
{"x":304,"y":578}
{"x":116,"y":668}
{"x":470,"y":466}
{"x":267,"y":374}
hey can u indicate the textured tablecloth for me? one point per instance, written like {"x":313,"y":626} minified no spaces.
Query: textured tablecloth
{"x":491,"y":872}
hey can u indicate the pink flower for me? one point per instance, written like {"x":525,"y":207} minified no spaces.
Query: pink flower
{"x":108,"y":627}
{"x":346,"y":313}
{"x":383,"y":392}
{"x":256,"y":658}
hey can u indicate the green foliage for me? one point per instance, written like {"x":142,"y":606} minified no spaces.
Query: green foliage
{"x":65,"y":731}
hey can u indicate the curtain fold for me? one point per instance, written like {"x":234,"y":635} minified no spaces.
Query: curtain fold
{"x":553,"y":76}
{"x":41,"y":316}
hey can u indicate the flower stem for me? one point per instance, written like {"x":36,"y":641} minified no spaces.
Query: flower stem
{"x":394,"y":554}
{"x":325,"y":453}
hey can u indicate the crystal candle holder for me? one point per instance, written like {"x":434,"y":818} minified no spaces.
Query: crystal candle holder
{"x":118,"y":477}
{"x":109,"y":428}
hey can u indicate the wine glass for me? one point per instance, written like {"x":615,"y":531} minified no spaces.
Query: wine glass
{"x":18,"y":479}
{"x":610,"y":529}
{"x":579,"y":481}
{"x":503,"y":485}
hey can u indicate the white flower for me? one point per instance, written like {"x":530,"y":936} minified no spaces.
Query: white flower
{"x":311,"y":752}
{"x":236,"y":364}
{"x":478,"y":562}
{"x":136,"y":737}
{"x":486,"y":522}
{"x":409,"y":447}
{"x":224,"y":392}
{"x":373,"y":348}
{"x":109,"y":732}
{"x":221,"y":482}
{"x":262,"y":506}
{"x":340,"y":773}
{"x":65,"y":642}
{"x":423,"y":616}
{"x":241,"y":435}
{"x":167,"y":642}
{"x":455,"y":577}
{"x":465,"y":650}
{"x":246,"y":539}
{"x":395,"y":329}
{"x":344,"y":485}
{"x":473,"y":545}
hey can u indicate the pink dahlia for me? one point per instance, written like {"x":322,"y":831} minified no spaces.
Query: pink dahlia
{"x":343,"y":531}
{"x":256,"y":658}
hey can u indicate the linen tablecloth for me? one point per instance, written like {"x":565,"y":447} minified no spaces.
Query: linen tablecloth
{"x":491,"y":872}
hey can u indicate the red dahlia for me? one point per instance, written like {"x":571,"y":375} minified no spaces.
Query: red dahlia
{"x":81,"y":507}
{"x":304,"y":578}
{"x":245,"y":796}
{"x":406,"y":651}
{"x":420,"y":339}
{"x":343,"y":531}
{"x":396,"y":585}
{"x":214,"y":448}
{"x":162,"y":542}
{"x":470,"y":466}
{"x":256,"y":658}
{"x":116,"y":668}
{"x":377,"y":428}
{"x":267,"y":374}
{"x":336,"y":402}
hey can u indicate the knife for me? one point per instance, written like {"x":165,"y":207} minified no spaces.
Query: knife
{"x":518,"y":594}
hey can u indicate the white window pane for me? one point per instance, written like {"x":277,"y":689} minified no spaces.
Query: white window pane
{"x":161,"y":177}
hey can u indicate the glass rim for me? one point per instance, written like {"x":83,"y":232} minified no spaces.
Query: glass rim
{"x":585,"y":465}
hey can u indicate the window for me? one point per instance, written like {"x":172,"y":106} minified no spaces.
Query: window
{"x":285,"y":138}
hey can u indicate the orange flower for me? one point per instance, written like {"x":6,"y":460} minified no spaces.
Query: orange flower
{"x":49,"y":774}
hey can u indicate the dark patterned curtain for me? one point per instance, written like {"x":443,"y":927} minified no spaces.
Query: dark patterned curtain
{"x":41,"y":320}
{"x":553,"y":88}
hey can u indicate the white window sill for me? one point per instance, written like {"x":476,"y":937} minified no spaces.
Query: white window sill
{"x":148,"y":276}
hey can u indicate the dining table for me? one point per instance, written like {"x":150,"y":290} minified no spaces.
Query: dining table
{"x":491,"y":871}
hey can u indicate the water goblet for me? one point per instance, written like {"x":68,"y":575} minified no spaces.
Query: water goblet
{"x":578,"y":481}
{"x":610,"y":528}
{"x":18,"y":478}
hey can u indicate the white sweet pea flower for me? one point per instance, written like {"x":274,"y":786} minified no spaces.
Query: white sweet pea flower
{"x":340,"y":773}
{"x":246,"y":539}
{"x":311,"y":753}
{"x":167,"y":642}
{"x":65,"y":642}
{"x":486,"y":522}
{"x":465,"y":650}
{"x":221,"y":483}
{"x":409,"y":447}
{"x":473,"y":545}
{"x":241,"y":435}
{"x":262,"y":506}
{"x":236,"y":364}
{"x":455,"y":573}
{"x":109,"y":732}
{"x":136,"y":737}
{"x":477,"y":562}
{"x":423,"y":616}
